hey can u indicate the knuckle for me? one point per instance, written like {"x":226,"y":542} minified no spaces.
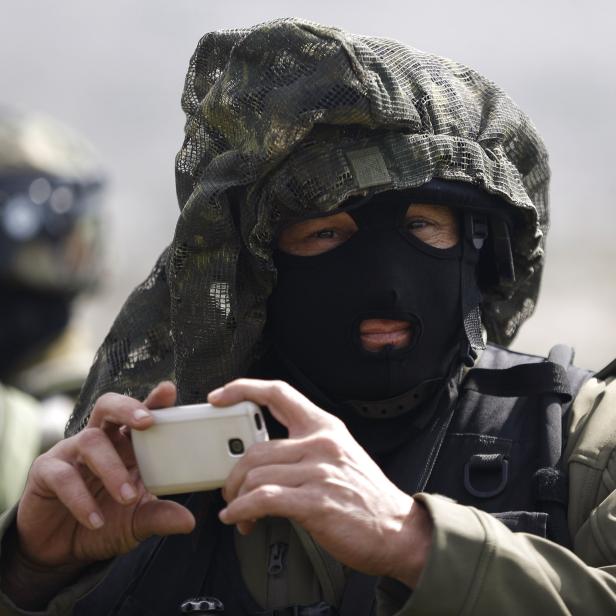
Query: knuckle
{"x":102,"y":405}
{"x":327,"y":445}
{"x":81,"y":501}
{"x":64,"y":474}
{"x":251,"y":480}
{"x":266,"y":494}
{"x":322,"y":471}
{"x":280,"y":386}
{"x":40,"y":464}
{"x":104,"y":400}
{"x":240,"y":383}
{"x":280,"y":390}
{"x":335,"y":423}
{"x":90,"y":437}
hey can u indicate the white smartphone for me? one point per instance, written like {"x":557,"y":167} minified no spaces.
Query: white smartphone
{"x":193,"y":448}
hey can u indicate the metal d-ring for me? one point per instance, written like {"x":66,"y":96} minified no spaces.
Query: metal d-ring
{"x":486,"y":462}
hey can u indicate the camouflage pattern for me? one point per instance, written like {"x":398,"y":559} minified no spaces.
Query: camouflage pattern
{"x":36,"y":143}
{"x":291,"y":118}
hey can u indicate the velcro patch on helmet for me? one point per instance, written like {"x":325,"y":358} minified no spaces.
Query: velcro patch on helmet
{"x":368,"y":167}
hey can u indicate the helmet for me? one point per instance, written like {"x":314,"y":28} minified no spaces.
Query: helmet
{"x":291,"y":118}
{"x":50,"y":189}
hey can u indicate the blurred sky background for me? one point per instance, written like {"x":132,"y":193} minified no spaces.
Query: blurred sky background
{"x":114,"y":70}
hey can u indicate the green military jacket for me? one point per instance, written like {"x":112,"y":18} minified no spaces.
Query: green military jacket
{"x":476,"y":565}
{"x":20,"y":441}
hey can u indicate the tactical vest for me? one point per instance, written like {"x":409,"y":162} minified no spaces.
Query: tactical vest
{"x":498,"y":449}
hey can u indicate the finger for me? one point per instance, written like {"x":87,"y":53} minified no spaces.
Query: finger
{"x":245,"y":528}
{"x":113,"y":410}
{"x":163,"y":395}
{"x":279,"y":451}
{"x":100,"y":456}
{"x":62,"y":481}
{"x":289,"y":475}
{"x":288,"y":405}
{"x":162,"y":517}
{"x":268,"y":500}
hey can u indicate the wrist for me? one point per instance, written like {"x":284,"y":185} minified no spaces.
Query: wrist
{"x":414,"y":546}
{"x":29,"y":584}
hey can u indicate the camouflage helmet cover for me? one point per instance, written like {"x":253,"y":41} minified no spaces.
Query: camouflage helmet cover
{"x":288,"y":118}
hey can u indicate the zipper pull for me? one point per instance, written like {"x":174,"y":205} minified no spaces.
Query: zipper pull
{"x":275,"y":563}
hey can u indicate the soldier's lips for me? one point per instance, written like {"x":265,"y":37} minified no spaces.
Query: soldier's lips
{"x":376,"y":334}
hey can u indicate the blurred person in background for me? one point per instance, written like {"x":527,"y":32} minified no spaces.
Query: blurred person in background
{"x":50,"y":189}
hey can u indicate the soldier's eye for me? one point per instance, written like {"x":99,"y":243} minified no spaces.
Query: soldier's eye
{"x":317,"y":235}
{"x":413,"y":225}
{"x":435,"y":225}
{"x":325,"y":234}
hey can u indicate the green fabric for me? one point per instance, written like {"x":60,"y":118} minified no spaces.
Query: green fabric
{"x":62,"y":604}
{"x":478,"y":567}
{"x":290,"y":118}
{"x":20,"y":441}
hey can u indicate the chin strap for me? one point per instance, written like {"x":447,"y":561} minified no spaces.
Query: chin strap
{"x":398,"y":405}
{"x":476,"y":233}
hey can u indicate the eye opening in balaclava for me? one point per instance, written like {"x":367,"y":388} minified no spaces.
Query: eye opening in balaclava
{"x":319,"y":302}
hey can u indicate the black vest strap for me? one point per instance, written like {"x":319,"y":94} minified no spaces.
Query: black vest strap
{"x":523,"y":380}
{"x":609,"y":370}
{"x":550,"y":483}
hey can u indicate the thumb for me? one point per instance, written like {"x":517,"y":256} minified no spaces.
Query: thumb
{"x":164,"y":394}
{"x":161,"y":517}
{"x":287,"y":405}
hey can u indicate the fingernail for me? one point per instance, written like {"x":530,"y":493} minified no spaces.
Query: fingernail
{"x":223,"y":515}
{"x":95,"y":520}
{"x":215,"y":393}
{"x":127,"y":492}
{"x":140,"y":414}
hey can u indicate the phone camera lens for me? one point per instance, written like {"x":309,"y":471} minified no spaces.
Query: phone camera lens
{"x":236,"y":446}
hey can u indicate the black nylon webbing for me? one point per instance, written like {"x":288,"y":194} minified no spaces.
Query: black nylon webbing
{"x":609,"y":370}
{"x":523,"y":380}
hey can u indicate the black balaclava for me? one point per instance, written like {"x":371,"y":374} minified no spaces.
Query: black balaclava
{"x":382,"y":271}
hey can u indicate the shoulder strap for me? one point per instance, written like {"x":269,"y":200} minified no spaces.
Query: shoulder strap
{"x":533,"y":379}
{"x":330,"y":572}
{"x":607,"y":371}
{"x":550,"y":482}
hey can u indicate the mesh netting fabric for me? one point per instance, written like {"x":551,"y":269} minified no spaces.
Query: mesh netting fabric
{"x":289,"y":118}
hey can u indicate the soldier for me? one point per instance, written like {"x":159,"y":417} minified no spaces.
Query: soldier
{"x":50,"y":185}
{"x":358,"y":218}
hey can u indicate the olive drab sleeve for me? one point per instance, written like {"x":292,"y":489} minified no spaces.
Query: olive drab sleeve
{"x":62,"y":604}
{"x":477,"y":566}
{"x":20,"y":441}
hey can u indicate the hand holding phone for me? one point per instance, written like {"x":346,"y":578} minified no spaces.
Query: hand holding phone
{"x":193,"y":448}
